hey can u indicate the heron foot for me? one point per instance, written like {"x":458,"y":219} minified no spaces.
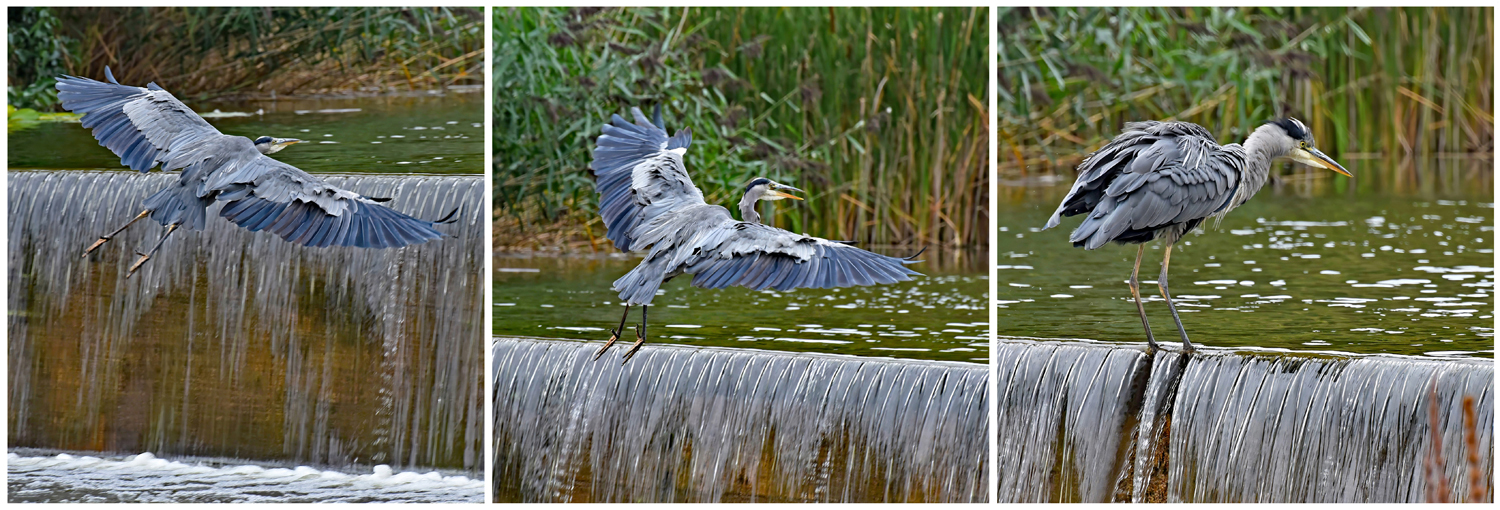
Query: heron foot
{"x":614,"y":334}
{"x":95,"y":246}
{"x":137,"y":264}
{"x":640,"y":338}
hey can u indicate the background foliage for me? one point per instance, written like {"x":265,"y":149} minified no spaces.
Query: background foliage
{"x":1370,"y":82}
{"x":213,"y":52}
{"x":878,"y":113}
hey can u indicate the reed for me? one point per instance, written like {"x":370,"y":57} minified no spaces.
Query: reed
{"x":246,"y":51}
{"x":1383,"y":83}
{"x":877,"y":113}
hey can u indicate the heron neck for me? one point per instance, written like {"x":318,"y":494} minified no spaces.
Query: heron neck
{"x":1262,"y":148}
{"x":747,"y":208}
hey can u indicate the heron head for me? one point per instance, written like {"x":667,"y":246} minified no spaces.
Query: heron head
{"x":765,"y":189}
{"x":1303,"y":149}
{"x":271,"y":145}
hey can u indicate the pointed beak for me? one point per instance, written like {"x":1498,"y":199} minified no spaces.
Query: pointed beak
{"x":779,"y":193}
{"x":1315,"y":158}
{"x":283,"y":142}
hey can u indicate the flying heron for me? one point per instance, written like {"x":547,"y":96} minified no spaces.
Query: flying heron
{"x":649,"y":204}
{"x":1160,"y":180}
{"x":147,"y":127}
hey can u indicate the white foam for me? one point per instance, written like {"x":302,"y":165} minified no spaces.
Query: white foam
{"x":147,"y":478}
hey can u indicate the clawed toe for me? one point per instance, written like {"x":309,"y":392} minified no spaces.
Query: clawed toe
{"x":613,"y":335}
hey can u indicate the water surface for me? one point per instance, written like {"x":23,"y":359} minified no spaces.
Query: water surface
{"x":1305,"y":267}
{"x":39,"y":476}
{"x":383,"y":134}
{"x":941,"y":316}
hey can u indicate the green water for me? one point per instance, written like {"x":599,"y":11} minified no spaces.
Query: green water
{"x":941,"y":316}
{"x":1300,"y":268}
{"x":428,"y":134}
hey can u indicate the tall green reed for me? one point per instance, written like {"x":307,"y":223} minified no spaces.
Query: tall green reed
{"x":211,"y":51}
{"x":1411,"y":83}
{"x":878,"y":113}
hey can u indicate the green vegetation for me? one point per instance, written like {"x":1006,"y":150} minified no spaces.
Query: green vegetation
{"x":1370,"y":82}
{"x":213,"y":52}
{"x":22,"y":118}
{"x":878,"y":113}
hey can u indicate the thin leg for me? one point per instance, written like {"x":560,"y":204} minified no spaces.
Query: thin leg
{"x":614,"y":334}
{"x":1161,"y":282}
{"x":640,"y":336}
{"x":1135,"y":292}
{"x":106,"y":238}
{"x":147,"y":256}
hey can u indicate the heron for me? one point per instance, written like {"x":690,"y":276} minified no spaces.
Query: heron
{"x":650,"y":205}
{"x":1160,"y":180}
{"x":147,"y":127}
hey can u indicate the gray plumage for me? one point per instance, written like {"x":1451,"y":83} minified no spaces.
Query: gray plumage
{"x":148,"y":127}
{"x":649,"y":204}
{"x":1161,"y":180}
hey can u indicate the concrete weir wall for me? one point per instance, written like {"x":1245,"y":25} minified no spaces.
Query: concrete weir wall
{"x":694,"y":424}
{"x":232,"y":343}
{"x":1096,"y":422}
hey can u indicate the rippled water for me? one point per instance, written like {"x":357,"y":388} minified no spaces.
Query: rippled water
{"x":37,"y":476}
{"x":937,"y":317}
{"x":1382,"y":272}
{"x":385,"y":134}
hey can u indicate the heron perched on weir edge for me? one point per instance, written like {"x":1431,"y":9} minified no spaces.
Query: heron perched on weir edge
{"x":1160,"y":180}
{"x":147,"y":127}
{"x":649,"y":204}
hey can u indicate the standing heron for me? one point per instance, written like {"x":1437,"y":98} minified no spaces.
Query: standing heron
{"x":1160,"y":180}
{"x":649,"y":204}
{"x":147,"y":127}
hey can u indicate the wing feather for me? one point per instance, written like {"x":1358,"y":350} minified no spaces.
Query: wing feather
{"x":639,"y":175}
{"x":141,"y":125}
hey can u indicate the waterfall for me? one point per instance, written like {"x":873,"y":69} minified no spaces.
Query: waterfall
{"x":720,"y":425}
{"x":239,"y":344}
{"x":1096,"y":422}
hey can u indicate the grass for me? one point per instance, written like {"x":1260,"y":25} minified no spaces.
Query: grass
{"x":207,"y":52}
{"x":877,"y":113}
{"x":1372,"y":83}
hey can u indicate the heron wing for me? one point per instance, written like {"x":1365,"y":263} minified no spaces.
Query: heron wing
{"x":266,"y":194}
{"x":1156,"y":175}
{"x":141,"y":125}
{"x":639,"y":175}
{"x":760,"y":257}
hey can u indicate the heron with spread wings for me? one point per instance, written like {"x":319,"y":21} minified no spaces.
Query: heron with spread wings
{"x":650,"y":205}
{"x":148,"y":127}
{"x":1160,"y":180}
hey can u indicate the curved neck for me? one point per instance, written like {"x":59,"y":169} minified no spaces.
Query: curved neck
{"x":747,"y":207}
{"x":1262,"y":148}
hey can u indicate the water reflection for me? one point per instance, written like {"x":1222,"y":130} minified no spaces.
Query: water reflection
{"x":1302,"y":266}
{"x":939,"y":317}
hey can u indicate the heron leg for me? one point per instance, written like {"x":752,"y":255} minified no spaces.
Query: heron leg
{"x":1135,"y":292}
{"x":640,"y":336}
{"x":105,"y":238}
{"x":1161,"y":282}
{"x":614,"y":334}
{"x":147,"y":256}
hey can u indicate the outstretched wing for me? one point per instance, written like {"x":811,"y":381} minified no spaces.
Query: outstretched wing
{"x":271,"y":195}
{"x":266,"y":194}
{"x":141,"y":125}
{"x":721,"y":252}
{"x":639,"y":175}
{"x":1153,"y":175}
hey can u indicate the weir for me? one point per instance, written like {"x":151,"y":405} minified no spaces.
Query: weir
{"x":1097,"y":422}
{"x":706,"y":424}
{"x":231,"y":343}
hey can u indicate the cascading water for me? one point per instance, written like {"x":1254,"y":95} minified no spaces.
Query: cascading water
{"x":714,"y":425}
{"x":1095,"y":422}
{"x":230,"y":343}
